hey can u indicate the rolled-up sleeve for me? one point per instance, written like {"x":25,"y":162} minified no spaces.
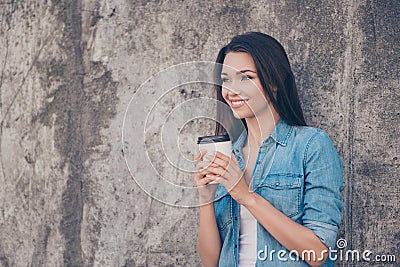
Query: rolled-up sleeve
{"x":323,"y":202}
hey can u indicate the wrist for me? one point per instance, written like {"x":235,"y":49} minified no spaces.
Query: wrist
{"x":250,"y":200}
{"x":206,"y":200}
{"x":206,"y":205}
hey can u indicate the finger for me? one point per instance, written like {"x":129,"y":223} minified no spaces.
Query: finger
{"x":200,"y":175}
{"x":201,"y":165}
{"x":233,"y":157}
{"x":235,"y":163}
{"x":222,"y":156}
{"x":198,"y":178}
{"x":219,"y":162}
{"x":219,"y":171}
{"x":203,"y":181}
{"x":218,"y":179}
{"x":225,"y":161}
{"x":200,"y":155}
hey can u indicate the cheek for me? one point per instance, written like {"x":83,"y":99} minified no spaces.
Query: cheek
{"x":224,"y":94}
{"x":254,"y":91}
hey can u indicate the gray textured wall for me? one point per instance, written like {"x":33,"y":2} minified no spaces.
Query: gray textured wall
{"x":69,"y":68}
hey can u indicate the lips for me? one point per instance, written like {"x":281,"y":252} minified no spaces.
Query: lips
{"x":237,"y":103}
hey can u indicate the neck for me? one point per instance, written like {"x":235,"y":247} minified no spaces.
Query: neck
{"x":260,"y":127}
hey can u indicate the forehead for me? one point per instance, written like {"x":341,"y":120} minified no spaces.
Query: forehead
{"x":236,"y":61}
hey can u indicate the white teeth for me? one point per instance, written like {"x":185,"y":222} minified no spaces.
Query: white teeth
{"x":237,"y":102}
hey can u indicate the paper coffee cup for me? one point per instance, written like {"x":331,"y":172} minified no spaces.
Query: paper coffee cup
{"x":212,"y":143}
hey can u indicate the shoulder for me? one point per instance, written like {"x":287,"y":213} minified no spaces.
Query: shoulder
{"x":313,"y":140}
{"x":317,"y":145}
{"x":311,"y":135}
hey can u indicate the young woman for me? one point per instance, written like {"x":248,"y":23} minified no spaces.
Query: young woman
{"x":278,"y":201}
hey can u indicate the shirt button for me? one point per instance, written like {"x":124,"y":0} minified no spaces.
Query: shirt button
{"x":235,"y":218}
{"x":259,"y":162}
{"x":235,"y":246}
{"x":237,"y":150}
{"x":277,"y":183}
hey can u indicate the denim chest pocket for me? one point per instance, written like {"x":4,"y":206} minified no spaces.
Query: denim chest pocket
{"x":283,"y":191}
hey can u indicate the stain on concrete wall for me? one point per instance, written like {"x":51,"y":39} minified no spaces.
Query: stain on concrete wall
{"x":68,"y":70}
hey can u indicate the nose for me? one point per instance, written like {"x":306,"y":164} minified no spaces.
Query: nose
{"x":233,"y":89}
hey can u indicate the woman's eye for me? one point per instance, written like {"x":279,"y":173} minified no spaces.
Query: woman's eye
{"x":246,"y":77}
{"x":224,"y":80}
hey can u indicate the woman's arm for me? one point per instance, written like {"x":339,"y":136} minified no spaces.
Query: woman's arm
{"x":290,"y":234}
{"x":208,"y":239}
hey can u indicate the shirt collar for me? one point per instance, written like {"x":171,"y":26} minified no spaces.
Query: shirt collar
{"x":281,"y":132}
{"x":280,"y":135}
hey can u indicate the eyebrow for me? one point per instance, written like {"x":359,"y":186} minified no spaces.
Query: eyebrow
{"x":239,"y":72}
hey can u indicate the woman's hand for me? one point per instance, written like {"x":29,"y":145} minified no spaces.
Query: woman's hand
{"x":206,"y":191}
{"x":228,"y":173}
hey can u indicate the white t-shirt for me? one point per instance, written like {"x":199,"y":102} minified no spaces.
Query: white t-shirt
{"x":247,"y":238}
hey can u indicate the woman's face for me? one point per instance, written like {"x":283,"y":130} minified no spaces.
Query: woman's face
{"x":241,"y":86}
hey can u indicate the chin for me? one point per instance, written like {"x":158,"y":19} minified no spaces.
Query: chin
{"x":241,"y":115}
{"x":237,"y":116}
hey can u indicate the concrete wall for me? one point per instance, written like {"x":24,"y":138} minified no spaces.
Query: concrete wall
{"x":68,"y":70}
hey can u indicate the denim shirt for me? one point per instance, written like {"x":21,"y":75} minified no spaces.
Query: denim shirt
{"x":299,"y":172}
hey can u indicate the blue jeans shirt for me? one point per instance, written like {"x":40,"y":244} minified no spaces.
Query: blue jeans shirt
{"x":299,"y":172}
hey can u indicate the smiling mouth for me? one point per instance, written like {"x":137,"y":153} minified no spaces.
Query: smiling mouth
{"x":237,"y":103}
